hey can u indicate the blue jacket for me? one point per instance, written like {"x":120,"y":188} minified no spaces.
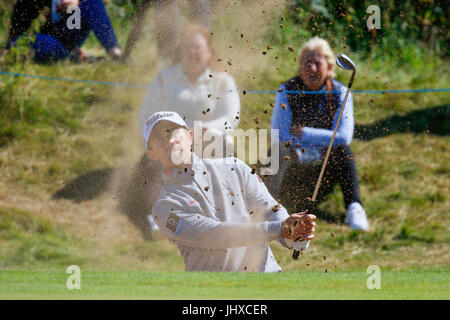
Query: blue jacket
{"x":314,"y":140}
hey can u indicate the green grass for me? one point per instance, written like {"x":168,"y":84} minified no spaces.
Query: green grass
{"x":423,"y":284}
{"x":32,"y":242}
{"x":52,"y":132}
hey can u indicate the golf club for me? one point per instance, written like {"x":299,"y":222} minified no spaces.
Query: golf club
{"x":345,"y":63}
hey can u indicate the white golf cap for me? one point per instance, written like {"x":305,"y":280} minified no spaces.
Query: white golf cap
{"x":159,"y":116}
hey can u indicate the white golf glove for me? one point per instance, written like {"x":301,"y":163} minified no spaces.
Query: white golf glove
{"x":297,"y":245}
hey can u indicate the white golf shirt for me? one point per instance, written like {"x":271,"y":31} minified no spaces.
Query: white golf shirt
{"x":220,"y":216}
{"x":212,"y":99}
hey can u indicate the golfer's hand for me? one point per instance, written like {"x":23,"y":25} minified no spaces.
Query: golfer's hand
{"x":64,"y":4}
{"x":298,"y":227}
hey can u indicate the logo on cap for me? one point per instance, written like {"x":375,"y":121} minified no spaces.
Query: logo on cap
{"x":157,"y":116}
{"x":154,"y":118}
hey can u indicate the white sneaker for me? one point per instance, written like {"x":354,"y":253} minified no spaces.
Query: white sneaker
{"x":356,"y":217}
{"x":153,"y":225}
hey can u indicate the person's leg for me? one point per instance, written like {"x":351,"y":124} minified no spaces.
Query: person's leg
{"x":297,"y":187}
{"x":342,"y":168}
{"x":273,"y":182}
{"x":166,"y":22}
{"x":48,"y":49}
{"x":310,"y":174}
{"x":200,"y":12}
{"x":138,"y":22}
{"x":94,"y":13}
{"x":93,"y":16}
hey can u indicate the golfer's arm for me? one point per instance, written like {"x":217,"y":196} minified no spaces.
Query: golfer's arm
{"x":259,"y":200}
{"x":195,"y":230}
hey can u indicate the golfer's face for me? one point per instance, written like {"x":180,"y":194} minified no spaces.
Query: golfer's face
{"x":314,"y":69}
{"x":170,"y":144}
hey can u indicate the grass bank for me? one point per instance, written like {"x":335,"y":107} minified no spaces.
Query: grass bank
{"x":54,"y":132}
{"x":423,"y":284}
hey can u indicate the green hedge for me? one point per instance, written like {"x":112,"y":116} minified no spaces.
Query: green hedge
{"x":403,"y":23}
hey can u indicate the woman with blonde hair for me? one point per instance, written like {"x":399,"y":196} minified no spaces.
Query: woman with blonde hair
{"x":306,"y":121}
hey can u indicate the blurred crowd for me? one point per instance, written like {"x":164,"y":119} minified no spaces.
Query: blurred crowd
{"x":193,"y":84}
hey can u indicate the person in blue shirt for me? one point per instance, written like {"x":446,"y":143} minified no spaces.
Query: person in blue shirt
{"x":306,"y":123}
{"x":59,"y":38}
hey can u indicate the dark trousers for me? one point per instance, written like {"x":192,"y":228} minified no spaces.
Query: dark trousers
{"x":55,"y":40}
{"x":299,"y":180}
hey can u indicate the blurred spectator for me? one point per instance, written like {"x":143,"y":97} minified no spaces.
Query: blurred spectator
{"x":196,"y":87}
{"x":55,"y":41}
{"x":198,"y":90}
{"x":167,"y":22}
{"x":306,"y":123}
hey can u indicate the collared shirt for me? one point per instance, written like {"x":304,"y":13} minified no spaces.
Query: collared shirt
{"x":212,"y":99}
{"x":220,"y":215}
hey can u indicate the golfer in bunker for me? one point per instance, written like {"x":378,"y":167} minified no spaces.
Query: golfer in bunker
{"x":217,"y":211}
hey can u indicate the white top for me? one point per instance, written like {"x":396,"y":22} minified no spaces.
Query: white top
{"x":213,"y":100}
{"x":220,"y":216}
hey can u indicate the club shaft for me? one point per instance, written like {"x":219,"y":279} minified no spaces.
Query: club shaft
{"x":296,"y":253}
{"x":322,"y":171}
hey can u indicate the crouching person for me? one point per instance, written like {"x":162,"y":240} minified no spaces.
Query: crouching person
{"x":218,"y":213}
{"x":306,"y":121}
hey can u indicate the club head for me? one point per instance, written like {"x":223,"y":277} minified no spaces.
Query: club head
{"x":345,"y":62}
